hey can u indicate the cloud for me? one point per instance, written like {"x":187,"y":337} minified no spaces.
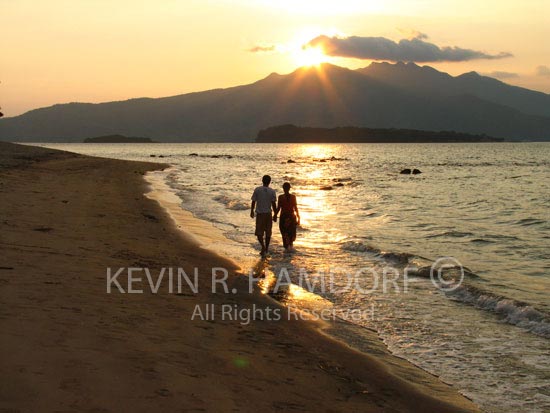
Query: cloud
{"x":543,"y":71}
{"x":413,"y":34}
{"x":410,"y":50}
{"x":502,"y":75}
{"x":270,"y":48}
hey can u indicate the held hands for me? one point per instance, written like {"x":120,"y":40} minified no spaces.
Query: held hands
{"x":274,"y":218}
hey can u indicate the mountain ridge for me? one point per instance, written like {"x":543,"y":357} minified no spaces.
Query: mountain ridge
{"x":525,"y":100}
{"x":382,"y":95}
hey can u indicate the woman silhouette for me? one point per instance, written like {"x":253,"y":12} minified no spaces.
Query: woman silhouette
{"x":290,"y":217}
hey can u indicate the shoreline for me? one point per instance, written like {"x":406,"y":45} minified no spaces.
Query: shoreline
{"x":74,"y":346}
{"x":360,"y":339}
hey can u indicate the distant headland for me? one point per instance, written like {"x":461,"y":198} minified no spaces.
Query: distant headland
{"x":350,"y":134}
{"x":117,"y":139}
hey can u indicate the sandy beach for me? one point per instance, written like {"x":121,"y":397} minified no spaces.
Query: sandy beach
{"x":68,"y":345}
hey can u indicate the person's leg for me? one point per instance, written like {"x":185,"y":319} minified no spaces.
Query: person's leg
{"x":282,"y":230}
{"x":268,"y":228}
{"x":261,"y":241}
{"x":292,"y":234}
{"x":260,"y":232}
{"x":267,"y":239}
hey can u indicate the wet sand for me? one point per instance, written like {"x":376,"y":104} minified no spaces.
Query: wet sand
{"x":68,"y":345}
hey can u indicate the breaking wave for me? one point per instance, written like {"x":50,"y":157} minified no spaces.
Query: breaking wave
{"x":395,"y":257}
{"x":233,"y":204}
{"x":510,"y":311}
{"x":507,"y":309}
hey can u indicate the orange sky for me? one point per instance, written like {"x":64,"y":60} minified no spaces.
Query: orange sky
{"x":57,"y":51}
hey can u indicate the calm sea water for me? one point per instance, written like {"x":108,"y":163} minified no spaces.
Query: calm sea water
{"x":485,"y":205}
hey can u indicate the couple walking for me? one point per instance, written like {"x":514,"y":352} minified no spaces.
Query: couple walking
{"x":264,"y":199}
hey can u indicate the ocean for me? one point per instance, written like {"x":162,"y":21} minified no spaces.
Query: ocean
{"x":482,"y":206}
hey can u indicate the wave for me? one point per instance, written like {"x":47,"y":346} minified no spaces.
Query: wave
{"x":481,"y":241}
{"x":357,"y":246}
{"x":481,"y":238}
{"x":526,"y":222}
{"x":395,"y":257}
{"x":510,"y":311}
{"x":507,"y":309}
{"x":233,"y":204}
{"x":490,"y":164}
{"x":453,"y":234}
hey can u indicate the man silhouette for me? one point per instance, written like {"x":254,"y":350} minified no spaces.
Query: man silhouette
{"x":263,"y":199}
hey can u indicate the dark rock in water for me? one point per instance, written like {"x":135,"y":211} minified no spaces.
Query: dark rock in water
{"x":193,"y":154}
{"x":339,"y":184}
{"x":290,"y":161}
{"x":416,"y":171}
{"x":332,"y":158}
{"x":221,"y":156}
{"x":326,"y":188}
{"x":161,"y":156}
{"x":406,"y":171}
{"x":152,"y":156}
{"x":43,"y":229}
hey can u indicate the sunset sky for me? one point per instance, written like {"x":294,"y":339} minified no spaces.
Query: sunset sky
{"x":58,"y":51}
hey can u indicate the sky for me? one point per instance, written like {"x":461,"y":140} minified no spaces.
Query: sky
{"x":59,"y":51}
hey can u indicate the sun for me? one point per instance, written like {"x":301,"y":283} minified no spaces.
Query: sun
{"x":310,"y":56}
{"x":301,"y":54}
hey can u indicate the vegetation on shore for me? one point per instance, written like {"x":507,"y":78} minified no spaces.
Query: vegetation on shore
{"x":350,"y":134}
{"x":117,"y":139}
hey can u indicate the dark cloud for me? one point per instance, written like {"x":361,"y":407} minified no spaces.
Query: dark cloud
{"x":263,"y":49}
{"x":543,"y":71}
{"x":410,"y":50}
{"x":502,"y":75}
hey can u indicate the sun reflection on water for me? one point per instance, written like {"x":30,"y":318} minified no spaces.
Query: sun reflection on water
{"x":292,"y":295}
{"x":313,"y":176}
{"x":316,"y":151}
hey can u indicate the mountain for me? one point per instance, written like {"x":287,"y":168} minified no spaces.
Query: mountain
{"x":327,"y":97}
{"x":426,"y":81}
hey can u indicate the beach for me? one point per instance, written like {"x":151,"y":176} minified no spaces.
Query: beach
{"x":69,"y":345}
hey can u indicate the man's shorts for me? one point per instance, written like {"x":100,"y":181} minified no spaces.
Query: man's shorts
{"x":264,"y":222}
